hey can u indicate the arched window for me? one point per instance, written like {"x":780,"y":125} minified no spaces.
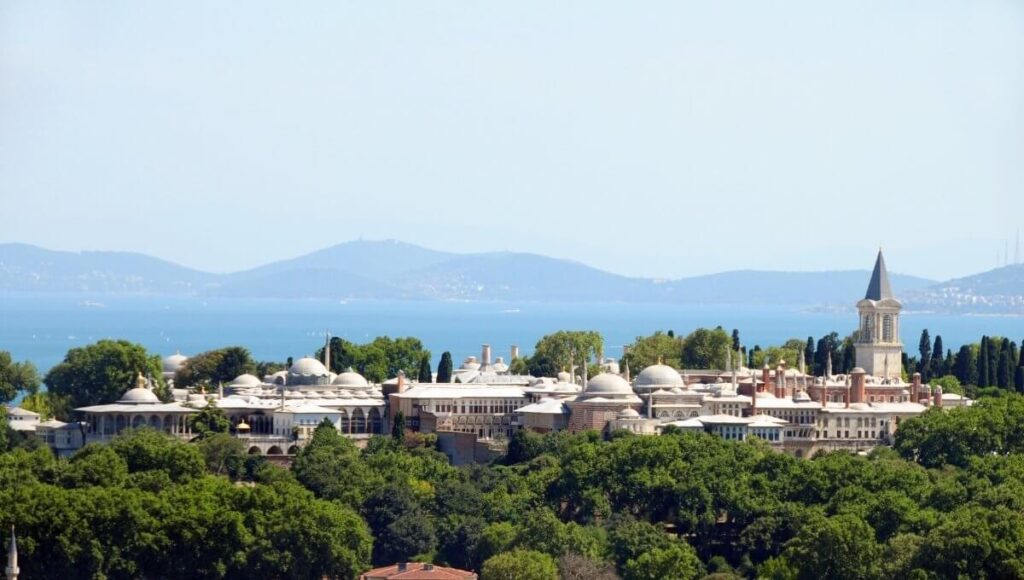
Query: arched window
{"x":358,"y":421}
{"x":887,"y":328}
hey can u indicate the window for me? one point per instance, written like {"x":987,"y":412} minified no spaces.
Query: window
{"x":887,"y":328}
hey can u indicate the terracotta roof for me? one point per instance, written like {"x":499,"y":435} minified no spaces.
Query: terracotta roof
{"x":418,"y":571}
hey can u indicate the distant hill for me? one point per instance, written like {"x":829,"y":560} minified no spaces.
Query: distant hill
{"x":25,"y":268}
{"x":399,"y":271}
{"x":997,"y":291}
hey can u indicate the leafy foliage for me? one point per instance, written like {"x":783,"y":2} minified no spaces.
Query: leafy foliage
{"x":99,"y":373}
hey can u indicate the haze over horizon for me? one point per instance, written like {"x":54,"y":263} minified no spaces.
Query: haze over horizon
{"x":669,"y":142}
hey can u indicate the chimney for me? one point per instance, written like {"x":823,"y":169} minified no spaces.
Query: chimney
{"x":766,"y":378}
{"x":515,"y":352}
{"x":915,"y":388}
{"x":858,"y":387}
{"x":401,"y":381}
{"x":402,"y":566}
{"x":780,"y":380}
{"x":485,"y":356}
{"x":937,"y":395}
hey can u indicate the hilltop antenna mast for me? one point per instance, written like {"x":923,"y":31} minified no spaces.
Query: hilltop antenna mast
{"x":1016,"y":250}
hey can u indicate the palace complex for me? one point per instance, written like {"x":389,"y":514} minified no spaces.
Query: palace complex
{"x":792,"y":410}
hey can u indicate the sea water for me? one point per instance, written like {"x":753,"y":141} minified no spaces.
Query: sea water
{"x":42,"y":328}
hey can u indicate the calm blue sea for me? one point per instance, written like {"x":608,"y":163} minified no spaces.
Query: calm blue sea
{"x":43,"y":328}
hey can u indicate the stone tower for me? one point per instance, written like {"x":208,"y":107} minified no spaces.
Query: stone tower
{"x":879,"y":350}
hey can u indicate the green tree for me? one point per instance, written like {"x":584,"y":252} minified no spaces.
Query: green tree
{"x":398,"y":427}
{"x":209,"y":421}
{"x":1004,"y":368}
{"x":827,"y":345}
{"x":678,"y":560}
{"x":329,"y":466}
{"x":425,"y":375}
{"x":983,"y":363}
{"x":648,"y":350}
{"x":212,"y":367}
{"x":735,"y":340}
{"x":841,"y":546}
{"x":925,"y":348}
{"x":965,"y":368}
{"x":809,"y":354}
{"x":379,"y":359}
{"x":949,"y":384}
{"x":444,"y":368}
{"x":705,"y":349}
{"x":520,"y":565}
{"x":568,"y":348}
{"x":224,"y":454}
{"x":401,"y":527}
{"x":147,"y":450}
{"x":95,"y":465}
{"x":16,"y":377}
{"x":99,"y":373}
{"x":974,"y":542}
{"x":937,"y":366}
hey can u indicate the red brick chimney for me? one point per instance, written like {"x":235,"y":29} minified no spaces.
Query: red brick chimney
{"x":858,"y":386}
{"x":780,"y":380}
{"x":937,"y":395}
{"x":915,"y":388}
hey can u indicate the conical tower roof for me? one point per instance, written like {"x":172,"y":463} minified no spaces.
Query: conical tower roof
{"x":879,"y":287}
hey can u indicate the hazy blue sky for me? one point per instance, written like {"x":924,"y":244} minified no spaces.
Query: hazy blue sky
{"x":659,"y":139}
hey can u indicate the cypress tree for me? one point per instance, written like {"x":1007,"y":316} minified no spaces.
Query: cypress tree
{"x":809,"y":353}
{"x":937,"y":369}
{"x":425,"y":376}
{"x":1005,"y":371}
{"x":1018,"y":381}
{"x":849,"y":357}
{"x":925,"y":348}
{"x":444,"y":368}
{"x":735,"y":339}
{"x":995,"y":350}
{"x":398,"y":427}
{"x":964,"y":367}
{"x":983,"y":363}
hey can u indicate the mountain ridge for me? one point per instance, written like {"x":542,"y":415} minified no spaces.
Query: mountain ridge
{"x":395,"y":270}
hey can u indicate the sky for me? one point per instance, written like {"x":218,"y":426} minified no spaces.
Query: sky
{"x":661,"y":139}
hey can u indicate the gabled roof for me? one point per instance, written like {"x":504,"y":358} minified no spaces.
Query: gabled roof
{"x":879,"y":287}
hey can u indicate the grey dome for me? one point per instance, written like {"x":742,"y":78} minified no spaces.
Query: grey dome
{"x":659,"y":375}
{"x":309,"y":367}
{"x":350,"y":378}
{"x":174,"y":362}
{"x":138,"y":395}
{"x":245,"y":380}
{"x":608,"y":384}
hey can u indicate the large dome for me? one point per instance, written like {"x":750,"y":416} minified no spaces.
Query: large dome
{"x":350,"y":378}
{"x":245,"y":380}
{"x":139,"y":395}
{"x":308,"y":367}
{"x":174,"y":362}
{"x":659,"y":375}
{"x":608,"y":384}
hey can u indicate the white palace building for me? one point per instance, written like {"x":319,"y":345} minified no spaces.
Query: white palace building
{"x":485,"y":404}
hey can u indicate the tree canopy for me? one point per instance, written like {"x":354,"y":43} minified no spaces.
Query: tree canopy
{"x":99,"y":373}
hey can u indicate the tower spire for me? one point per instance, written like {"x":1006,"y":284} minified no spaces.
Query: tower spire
{"x":879,"y":287}
{"x":327,"y":352}
{"x":12,"y":570}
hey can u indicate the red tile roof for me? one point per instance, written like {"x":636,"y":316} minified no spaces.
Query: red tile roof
{"x":416,"y":571}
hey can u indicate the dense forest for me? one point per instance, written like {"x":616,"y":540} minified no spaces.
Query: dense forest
{"x":945,"y":502}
